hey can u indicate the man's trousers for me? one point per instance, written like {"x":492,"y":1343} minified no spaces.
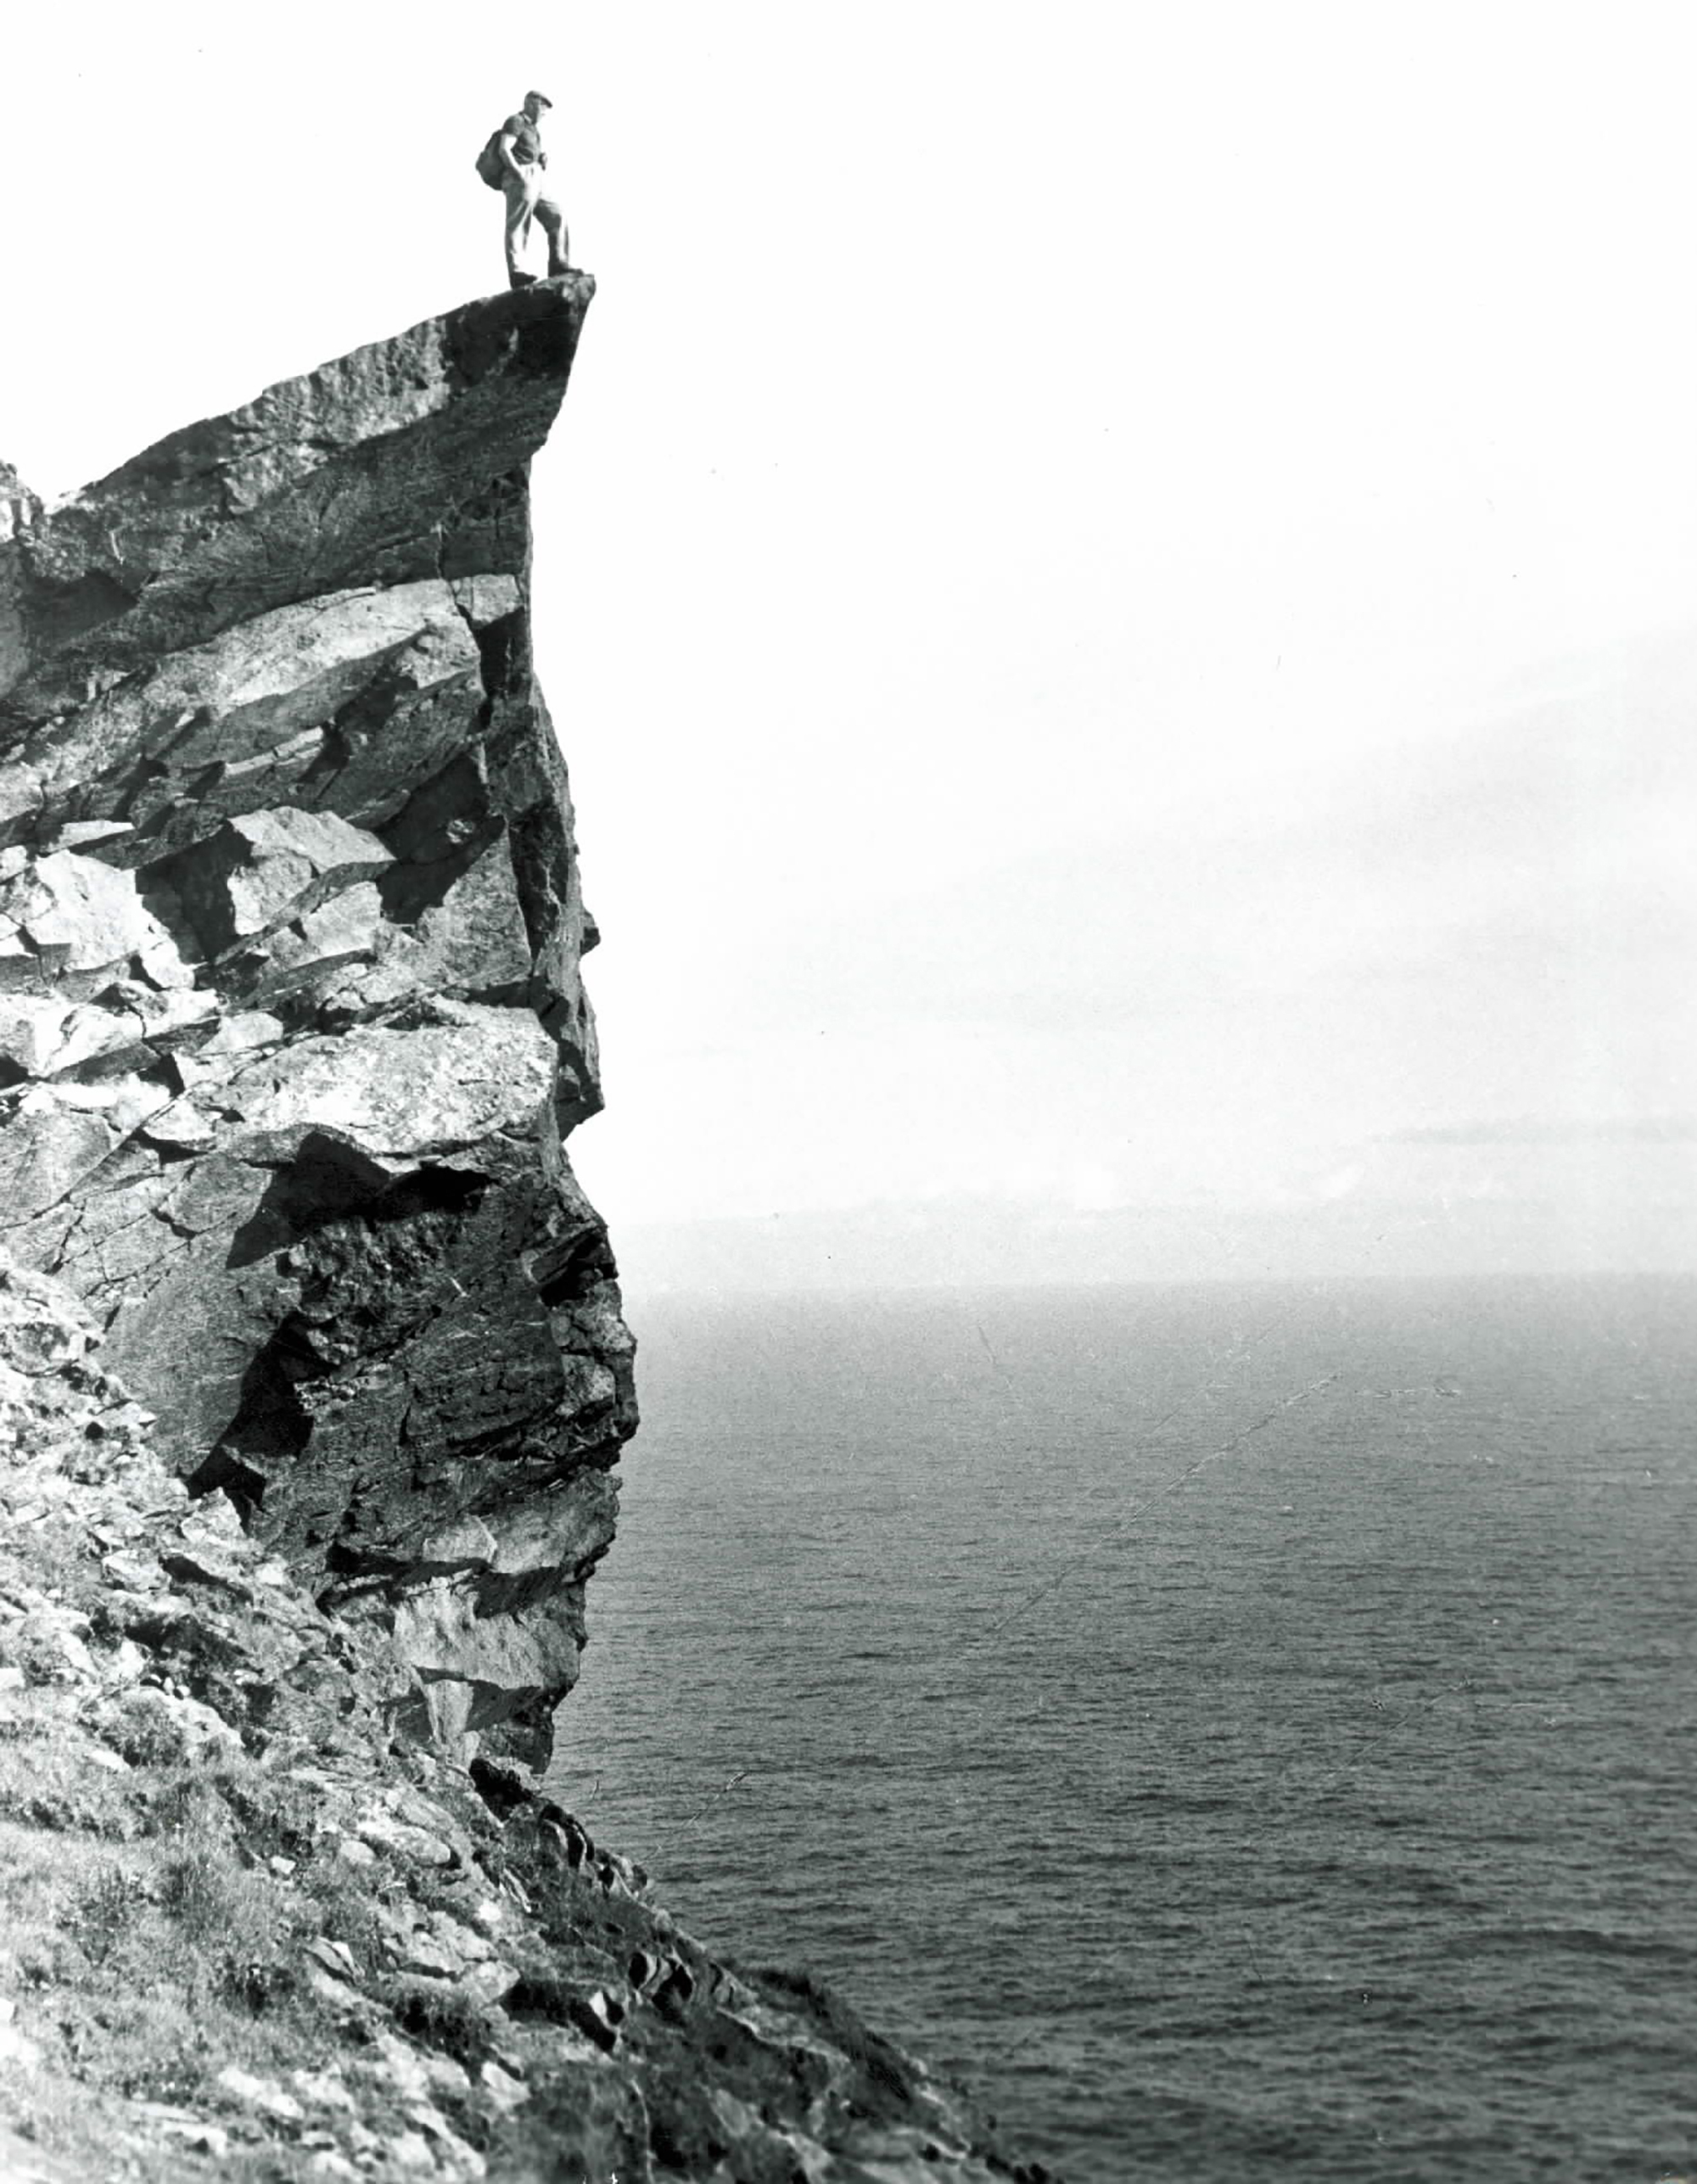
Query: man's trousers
{"x":525,"y":203}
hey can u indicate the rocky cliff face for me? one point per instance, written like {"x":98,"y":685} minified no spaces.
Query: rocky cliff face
{"x":292,"y":1030}
{"x":312,"y":1373}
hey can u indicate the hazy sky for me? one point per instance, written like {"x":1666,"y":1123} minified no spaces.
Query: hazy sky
{"x":1119,"y":583}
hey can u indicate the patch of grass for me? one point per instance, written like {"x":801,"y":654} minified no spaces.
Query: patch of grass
{"x":142,"y":1726}
{"x":256,"y":1983}
{"x":47,"y":1782}
{"x":277,"y":1815}
{"x":243,"y":1928}
{"x":148,"y":1960}
{"x":184,"y":1801}
{"x":150,"y":2044}
{"x":104,"y":1913}
{"x":62,"y":1559}
{"x":339,"y":1902}
{"x":203,"y":1891}
{"x":443,"y":2017}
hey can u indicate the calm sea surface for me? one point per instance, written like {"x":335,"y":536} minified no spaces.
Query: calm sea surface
{"x":1238,"y":1732}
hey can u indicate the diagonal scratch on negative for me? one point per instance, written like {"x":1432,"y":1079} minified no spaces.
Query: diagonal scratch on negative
{"x":1168,"y":1486}
{"x":724,"y":1788}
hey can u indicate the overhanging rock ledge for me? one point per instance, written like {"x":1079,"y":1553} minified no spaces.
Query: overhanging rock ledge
{"x":292,"y":1030}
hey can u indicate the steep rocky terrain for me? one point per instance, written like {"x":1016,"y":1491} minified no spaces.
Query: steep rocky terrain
{"x":312,"y":1370}
{"x":291,"y":1025}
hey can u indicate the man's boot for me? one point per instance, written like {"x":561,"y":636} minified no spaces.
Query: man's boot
{"x":555,"y":267}
{"x":521,"y":280}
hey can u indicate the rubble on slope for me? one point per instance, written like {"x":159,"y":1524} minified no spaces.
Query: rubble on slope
{"x":246,"y":1933}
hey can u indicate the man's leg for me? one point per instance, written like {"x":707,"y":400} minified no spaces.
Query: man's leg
{"x":554,"y":225}
{"x":521,"y":200}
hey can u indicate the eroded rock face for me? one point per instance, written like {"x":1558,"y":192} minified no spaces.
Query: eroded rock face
{"x":244,"y":1921}
{"x":291,"y":1032}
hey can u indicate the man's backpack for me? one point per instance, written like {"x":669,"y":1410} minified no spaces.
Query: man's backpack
{"x":490,"y":166}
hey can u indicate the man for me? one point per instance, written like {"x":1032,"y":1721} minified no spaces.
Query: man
{"x":523,"y":162}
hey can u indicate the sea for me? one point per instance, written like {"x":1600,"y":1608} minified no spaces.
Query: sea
{"x":1236,"y":1732}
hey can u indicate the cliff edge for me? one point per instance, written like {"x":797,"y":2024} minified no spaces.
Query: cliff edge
{"x":312,"y":1369}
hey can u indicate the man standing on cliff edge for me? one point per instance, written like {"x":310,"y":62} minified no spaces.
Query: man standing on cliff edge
{"x":522,"y":161}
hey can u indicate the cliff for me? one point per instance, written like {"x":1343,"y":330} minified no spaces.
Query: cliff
{"x":311,"y":1358}
{"x":291,"y":1022}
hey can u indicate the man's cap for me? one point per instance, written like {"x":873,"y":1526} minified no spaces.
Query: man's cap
{"x":540,"y":97}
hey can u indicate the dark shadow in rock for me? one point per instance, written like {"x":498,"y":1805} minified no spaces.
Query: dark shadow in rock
{"x":489,"y":530}
{"x":171,"y":813}
{"x":69,"y":611}
{"x":271,"y":1424}
{"x":331,"y":1178}
{"x":334,"y":754}
{"x":566,"y":1270}
{"x":442,"y":814}
{"x":328,"y":1178}
{"x":154,"y":884}
{"x":407,"y":891}
{"x":503,"y":648}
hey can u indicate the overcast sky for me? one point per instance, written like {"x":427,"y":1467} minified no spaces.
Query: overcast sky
{"x":1119,"y":584}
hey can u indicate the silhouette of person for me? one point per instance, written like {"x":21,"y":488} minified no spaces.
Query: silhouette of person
{"x":524,"y":162}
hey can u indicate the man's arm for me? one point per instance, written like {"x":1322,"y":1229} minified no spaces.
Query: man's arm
{"x":509,"y":133}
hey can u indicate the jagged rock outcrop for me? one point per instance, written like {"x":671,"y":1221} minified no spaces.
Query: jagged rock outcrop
{"x":312,"y":1373}
{"x":292,"y":1030}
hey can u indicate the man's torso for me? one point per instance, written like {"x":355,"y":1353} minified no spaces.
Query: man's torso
{"x":527,"y":142}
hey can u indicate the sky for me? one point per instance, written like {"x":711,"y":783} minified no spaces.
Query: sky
{"x":1119,"y":585}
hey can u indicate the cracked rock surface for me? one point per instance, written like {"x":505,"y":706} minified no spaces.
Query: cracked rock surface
{"x":292,"y":1030}
{"x":312,"y":1370}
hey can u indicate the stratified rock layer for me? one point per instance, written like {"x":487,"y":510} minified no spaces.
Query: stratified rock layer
{"x":292,"y":1030}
